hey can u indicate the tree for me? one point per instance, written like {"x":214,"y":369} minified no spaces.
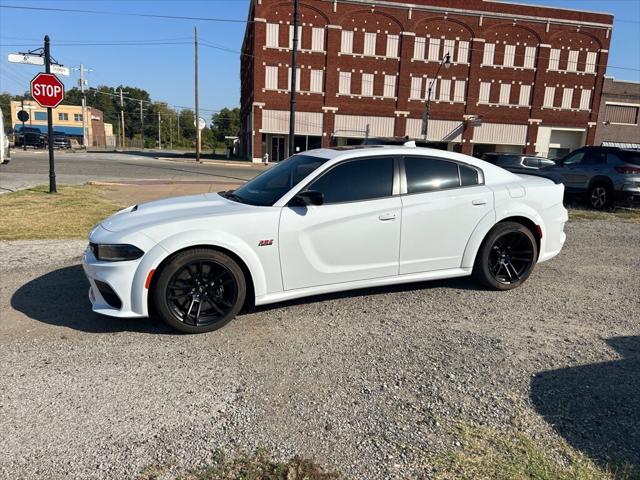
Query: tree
{"x":225,"y":123}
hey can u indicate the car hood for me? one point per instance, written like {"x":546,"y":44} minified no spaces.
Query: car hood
{"x":170,"y":210}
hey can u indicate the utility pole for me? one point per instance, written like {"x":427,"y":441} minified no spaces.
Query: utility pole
{"x":142,"y":124}
{"x":294,"y":65}
{"x":195,"y":33}
{"x":24,"y":143}
{"x":122,"y":116}
{"x":83,"y":83}
{"x":170,"y":132}
{"x":159,"y":135}
{"x":178,"y":119}
{"x":52,"y":163}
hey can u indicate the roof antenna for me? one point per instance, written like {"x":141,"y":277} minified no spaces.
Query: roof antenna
{"x":410,"y":143}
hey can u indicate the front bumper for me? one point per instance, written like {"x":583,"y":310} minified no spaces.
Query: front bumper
{"x":118,"y":277}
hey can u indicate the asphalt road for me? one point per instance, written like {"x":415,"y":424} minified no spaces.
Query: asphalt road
{"x":31,"y":168}
{"x":369,"y":382}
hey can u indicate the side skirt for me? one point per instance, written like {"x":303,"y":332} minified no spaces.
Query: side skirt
{"x":375,"y":282}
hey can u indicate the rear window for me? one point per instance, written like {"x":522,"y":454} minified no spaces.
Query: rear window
{"x":428,"y":175}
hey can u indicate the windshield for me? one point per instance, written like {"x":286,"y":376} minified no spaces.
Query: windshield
{"x":268,"y":187}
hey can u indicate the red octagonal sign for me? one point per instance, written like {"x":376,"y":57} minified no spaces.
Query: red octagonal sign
{"x":47,"y":90}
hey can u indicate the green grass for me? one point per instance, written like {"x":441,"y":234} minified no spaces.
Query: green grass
{"x":36,"y":214}
{"x":514,"y":454}
{"x":626,"y":214}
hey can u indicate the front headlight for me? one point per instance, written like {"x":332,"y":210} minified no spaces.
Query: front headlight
{"x":115,"y":252}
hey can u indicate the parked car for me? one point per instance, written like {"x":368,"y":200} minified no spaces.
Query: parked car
{"x":517,"y":163}
{"x":61,"y":140}
{"x":5,"y":154}
{"x":323,"y":221}
{"x":397,"y":141}
{"x":602,"y":174}
{"x":29,"y":136}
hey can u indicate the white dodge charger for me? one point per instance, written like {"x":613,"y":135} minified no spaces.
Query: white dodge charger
{"x":323,"y":221}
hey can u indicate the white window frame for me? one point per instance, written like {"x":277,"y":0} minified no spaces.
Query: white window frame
{"x":463,"y":52}
{"x":592,"y":60}
{"x":316,"y":83}
{"x":344,"y":83}
{"x":389,"y":90}
{"x":554,"y":59}
{"x":346,"y":41}
{"x":317,"y":39}
{"x":549,"y":97}
{"x":489,"y":53}
{"x":415,"y":93}
{"x":419,"y":48}
{"x":298,"y":75}
{"x":459,"y":91}
{"x":567,"y":98}
{"x":393,"y":41}
{"x":525,"y":96}
{"x":530,"y":57}
{"x":445,"y":90}
{"x":505,"y":94}
{"x":273,"y":35}
{"x":450,"y":48}
{"x":585,"y":99}
{"x":366,"y":88}
{"x":299,"y":37}
{"x":271,"y":77}
{"x":370,"y":39}
{"x":434,"y":50}
{"x":485,"y":92}
{"x":572,"y":62}
{"x":509,"y":55}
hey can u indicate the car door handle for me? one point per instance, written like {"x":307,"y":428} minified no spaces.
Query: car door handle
{"x":385,"y":217}
{"x":479,"y":201}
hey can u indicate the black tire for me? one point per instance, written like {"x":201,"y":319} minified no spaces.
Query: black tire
{"x":199,"y":291}
{"x":600,"y":196}
{"x":506,"y":257}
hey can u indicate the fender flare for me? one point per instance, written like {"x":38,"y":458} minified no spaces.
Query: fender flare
{"x":190,"y":239}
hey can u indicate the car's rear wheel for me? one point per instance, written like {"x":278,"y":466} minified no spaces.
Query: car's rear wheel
{"x":199,"y":290}
{"x":600,"y":196}
{"x":507,"y":256}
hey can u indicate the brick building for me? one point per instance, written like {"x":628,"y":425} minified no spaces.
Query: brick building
{"x":533,"y":75}
{"x":619,"y":117}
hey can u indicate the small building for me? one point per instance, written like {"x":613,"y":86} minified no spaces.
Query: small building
{"x":521,"y":78}
{"x":618,"y":121}
{"x":66,"y":119}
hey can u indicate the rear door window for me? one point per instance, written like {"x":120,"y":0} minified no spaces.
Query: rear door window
{"x":531,"y":162}
{"x":468,"y":176}
{"x":430,"y":174}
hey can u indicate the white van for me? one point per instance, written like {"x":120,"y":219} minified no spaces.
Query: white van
{"x":4,"y":142}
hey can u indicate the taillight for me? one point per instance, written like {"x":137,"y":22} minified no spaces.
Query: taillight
{"x":628,"y":170}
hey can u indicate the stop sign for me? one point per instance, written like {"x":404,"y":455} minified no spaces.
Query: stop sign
{"x":47,"y":90}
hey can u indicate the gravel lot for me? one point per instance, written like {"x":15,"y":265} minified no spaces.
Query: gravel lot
{"x":365,"y":382}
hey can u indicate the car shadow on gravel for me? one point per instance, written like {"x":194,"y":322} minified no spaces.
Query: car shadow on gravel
{"x":596,"y":407}
{"x":60,"y":298}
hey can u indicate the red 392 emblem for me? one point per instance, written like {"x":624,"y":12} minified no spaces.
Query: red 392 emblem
{"x":265,"y":243}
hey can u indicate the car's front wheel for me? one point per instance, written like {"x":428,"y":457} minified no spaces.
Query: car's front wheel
{"x":199,"y":290}
{"x":507,"y":256}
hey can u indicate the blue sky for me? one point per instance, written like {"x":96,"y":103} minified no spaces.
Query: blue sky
{"x":166,"y":71}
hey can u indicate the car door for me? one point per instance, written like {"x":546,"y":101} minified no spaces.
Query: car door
{"x":572,"y":170}
{"x":354,"y":235}
{"x":443,"y":204}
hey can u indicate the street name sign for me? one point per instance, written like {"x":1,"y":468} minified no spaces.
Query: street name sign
{"x":25,"y":58}
{"x":47,"y":90}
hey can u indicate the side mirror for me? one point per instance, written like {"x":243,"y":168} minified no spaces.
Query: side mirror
{"x":308,"y":197}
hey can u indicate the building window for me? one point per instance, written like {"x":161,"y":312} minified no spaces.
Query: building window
{"x":509,"y":55}
{"x":297,"y":79}
{"x":416,"y":88}
{"x":317,"y":39}
{"x":291,"y":36}
{"x":316,"y":81}
{"x":463,"y":52}
{"x":369,"y":43}
{"x":489,"y":52}
{"x":624,"y":114}
{"x":445,"y":90}
{"x":418,"y":48}
{"x":549,"y":97}
{"x":392,"y":46}
{"x":567,"y":98}
{"x":389,"y":90}
{"x":40,"y":116}
{"x":271,"y":78}
{"x":529,"y":57}
{"x":77,"y":117}
{"x":434,"y":50}
{"x":344,"y":86}
{"x":434,"y":87}
{"x":572,"y":65}
{"x":346,"y":44}
{"x":591,"y":62}
{"x":485,"y":92}
{"x":458,"y":93}
{"x":63,"y":117}
{"x":554,"y":59}
{"x":585,"y":100}
{"x":525,"y":95}
{"x":367,"y":85}
{"x":505,"y":93}
{"x":450,"y":48}
{"x":273,"y":34}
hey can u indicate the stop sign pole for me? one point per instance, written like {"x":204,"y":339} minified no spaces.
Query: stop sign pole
{"x":52,"y":163}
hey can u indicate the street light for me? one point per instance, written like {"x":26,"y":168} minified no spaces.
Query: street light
{"x":446,"y":61}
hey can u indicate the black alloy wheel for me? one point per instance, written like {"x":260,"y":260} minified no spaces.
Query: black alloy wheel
{"x":599,"y":197}
{"x":200,"y":291}
{"x":507,"y":256}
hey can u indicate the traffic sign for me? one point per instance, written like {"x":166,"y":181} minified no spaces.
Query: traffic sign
{"x":60,"y":70}
{"x":23,"y":116}
{"x":26,"y":58}
{"x":47,"y":90}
